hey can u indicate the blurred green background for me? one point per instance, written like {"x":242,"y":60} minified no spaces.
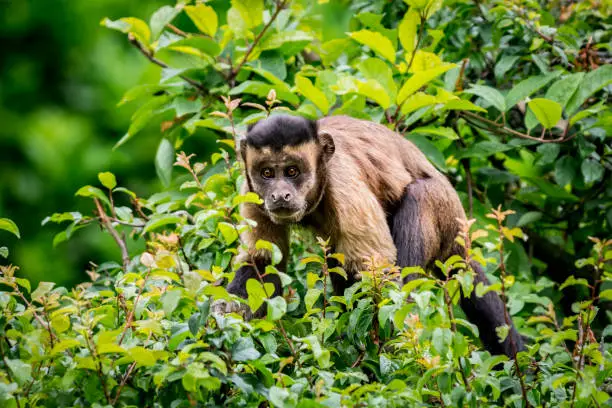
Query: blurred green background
{"x":61,"y":76}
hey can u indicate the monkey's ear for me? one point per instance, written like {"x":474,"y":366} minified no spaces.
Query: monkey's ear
{"x":327,"y":143}
{"x":242,"y":149}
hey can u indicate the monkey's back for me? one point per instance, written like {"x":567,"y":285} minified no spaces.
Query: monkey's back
{"x":389,"y":164}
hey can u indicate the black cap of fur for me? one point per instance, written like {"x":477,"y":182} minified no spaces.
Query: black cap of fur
{"x":281,"y":130}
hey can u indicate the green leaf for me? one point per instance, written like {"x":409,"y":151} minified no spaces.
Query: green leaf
{"x":228,"y":232}
{"x":445,"y":132}
{"x":277,"y":307}
{"x":379,"y":71}
{"x":142,"y":356}
{"x":548,"y":112}
{"x":249,"y":197}
{"x":562,"y":90}
{"x":275,"y":253}
{"x":592,"y":170}
{"x":257,"y":293}
{"x":527,"y":87}
{"x":204,"y":17}
{"x":565,"y":170}
{"x":502,"y":332}
{"x":131,"y":25}
{"x":462,"y":104}
{"x":157,"y":221}
{"x":4,"y":252}
{"x":10,"y":226}
{"x":107,"y":179}
{"x":418,"y":101}
{"x":430,"y":150}
{"x":592,"y":82}
{"x":528,"y":218}
{"x":251,"y":11}
{"x":407,"y":30}
{"x":22,"y":372}
{"x":491,"y":95}
{"x":420,"y":79}
{"x":244,"y":350}
{"x":42,"y":289}
{"x":164,"y":160}
{"x":504,"y":64}
{"x":551,"y":190}
{"x":93,"y":192}
{"x":170,"y":301}
{"x":312,"y":295}
{"x":573,"y":281}
{"x":375,"y":91}
{"x":160,"y":19}
{"x":315,"y":95}
{"x":376,"y":42}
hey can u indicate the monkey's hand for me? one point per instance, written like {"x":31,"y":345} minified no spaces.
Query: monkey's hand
{"x":224,"y":307}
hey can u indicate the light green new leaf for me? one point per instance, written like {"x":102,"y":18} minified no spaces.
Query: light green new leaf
{"x":379,"y":71}
{"x":142,"y":356}
{"x":10,"y":226}
{"x":407,"y":31}
{"x":132,"y":25}
{"x":204,"y":17}
{"x":548,"y":112}
{"x":170,"y":301}
{"x":315,"y":95}
{"x":42,"y":289}
{"x":277,"y":307}
{"x":228,"y":231}
{"x":164,"y":160}
{"x":93,"y":192}
{"x":491,"y":95}
{"x":462,"y":104}
{"x":273,"y":249}
{"x":420,"y":79}
{"x":445,"y":132}
{"x":257,"y":293}
{"x":418,"y":101}
{"x":161,"y":220}
{"x":251,"y":11}
{"x":374,"y":90}
{"x":376,"y":42}
{"x":21,"y":371}
{"x":107,"y":179}
{"x":160,"y":19}
{"x":312,"y":295}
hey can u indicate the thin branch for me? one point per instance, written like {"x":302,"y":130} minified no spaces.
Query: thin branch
{"x":177,"y":30}
{"x":501,"y":129}
{"x":108,"y":225}
{"x":123,"y":382}
{"x":162,"y":64}
{"x":235,"y":71}
{"x":130,"y":317}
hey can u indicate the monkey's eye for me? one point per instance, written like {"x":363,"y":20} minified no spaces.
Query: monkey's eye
{"x":292,"y":172}
{"x":267,"y":173}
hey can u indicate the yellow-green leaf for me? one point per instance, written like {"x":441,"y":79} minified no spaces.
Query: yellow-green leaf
{"x":258,"y":293}
{"x":376,"y":42}
{"x":418,"y":101}
{"x":415,"y":82}
{"x":546,"y":111}
{"x":375,"y":91}
{"x":315,"y":95}
{"x":407,"y":31}
{"x":10,"y":226}
{"x":204,"y":17}
{"x":228,"y":231}
{"x":107,"y":179}
{"x":142,"y":356}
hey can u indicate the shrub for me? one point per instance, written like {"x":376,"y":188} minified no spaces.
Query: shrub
{"x":141,"y":331}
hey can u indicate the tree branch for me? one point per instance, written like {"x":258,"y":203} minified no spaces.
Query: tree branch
{"x":234,"y":72}
{"x":108,"y":225}
{"x":162,"y":64}
{"x":501,"y":129}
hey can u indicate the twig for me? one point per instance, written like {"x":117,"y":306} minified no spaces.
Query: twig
{"x":123,"y":382}
{"x":177,"y":30}
{"x":108,"y":225}
{"x":37,"y":316}
{"x":235,"y":70}
{"x":128,"y":320}
{"x":162,"y":64}
{"x":501,"y":129}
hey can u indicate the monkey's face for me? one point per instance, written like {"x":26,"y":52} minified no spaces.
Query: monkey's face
{"x":286,"y":180}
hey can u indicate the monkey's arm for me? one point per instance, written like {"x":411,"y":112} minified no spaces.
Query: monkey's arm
{"x":257,"y":260}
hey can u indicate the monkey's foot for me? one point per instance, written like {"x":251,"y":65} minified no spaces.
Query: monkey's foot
{"x":225,"y":307}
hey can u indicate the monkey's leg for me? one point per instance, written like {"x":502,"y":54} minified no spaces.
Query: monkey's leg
{"x":487,"y":313}
{"x":419,"y":239}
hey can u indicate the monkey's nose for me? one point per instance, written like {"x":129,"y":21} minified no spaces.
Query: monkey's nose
{"x":285,"y":196}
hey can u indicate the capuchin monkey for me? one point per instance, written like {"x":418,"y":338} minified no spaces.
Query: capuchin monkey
{"x":369,"y":190}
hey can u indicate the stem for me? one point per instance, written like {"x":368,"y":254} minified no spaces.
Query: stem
{"x":451,"y":315}
{"x":503,"y":130}
{"x":108,"y":225}
{"x":37,"y":316}
{"x":234,"y":72}
{"x":502,"y":268}
{"x":162,"y":64}
{"x":130,"y":317}
{"x":123,"y":382}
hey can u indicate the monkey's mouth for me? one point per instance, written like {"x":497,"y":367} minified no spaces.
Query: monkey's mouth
{"x":284,"y":215}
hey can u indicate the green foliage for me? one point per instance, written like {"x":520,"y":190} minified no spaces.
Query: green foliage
{"x":508,"y":99}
